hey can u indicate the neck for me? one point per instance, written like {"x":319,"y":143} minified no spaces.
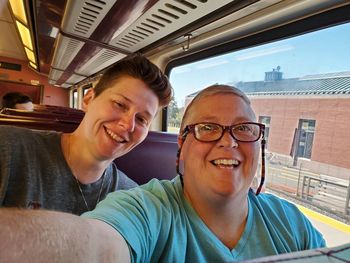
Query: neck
{"x":225,"y":219}
{"x":84,"y":167}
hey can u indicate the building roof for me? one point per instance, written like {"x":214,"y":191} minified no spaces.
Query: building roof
{"x":321,"y":84}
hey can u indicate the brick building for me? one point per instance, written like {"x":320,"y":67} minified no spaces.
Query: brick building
{"x":307,"y":119}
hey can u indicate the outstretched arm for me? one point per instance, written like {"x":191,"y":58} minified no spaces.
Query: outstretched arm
{"x":47,"y":236}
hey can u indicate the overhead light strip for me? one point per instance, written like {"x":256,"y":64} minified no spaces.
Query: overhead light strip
{"x":19,"y":12}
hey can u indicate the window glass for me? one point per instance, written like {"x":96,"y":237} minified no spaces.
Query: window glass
{"x":75,"y":99}
{"x":86,"y":88}
{"x":300,"y":89}
{"x":305,"y":138}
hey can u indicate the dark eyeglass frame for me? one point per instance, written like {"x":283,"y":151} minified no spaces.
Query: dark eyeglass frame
{"x":190,"y":129}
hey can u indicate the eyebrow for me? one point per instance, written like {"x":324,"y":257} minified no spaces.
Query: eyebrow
{"x":149,"y":115}
{"x":236,"y":120}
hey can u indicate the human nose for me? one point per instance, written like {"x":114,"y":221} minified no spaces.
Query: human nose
{"x":227,"y":139}
{"x":128,"y":122}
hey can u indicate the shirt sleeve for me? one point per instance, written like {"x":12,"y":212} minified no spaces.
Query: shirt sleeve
{"x":124,"y":182}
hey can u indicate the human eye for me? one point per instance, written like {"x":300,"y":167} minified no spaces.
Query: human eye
{"x":142,"y":120}
{"x":244,"y":128}
{"x":207,"y":127}
{"x":119,"y":104}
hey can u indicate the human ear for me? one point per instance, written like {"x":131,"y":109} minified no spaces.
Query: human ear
{"x":180,"y":141}
{"x":88,"y":97}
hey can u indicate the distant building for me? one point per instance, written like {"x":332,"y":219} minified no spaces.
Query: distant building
{"x":307,"y":119}
{"x":273,"y":75}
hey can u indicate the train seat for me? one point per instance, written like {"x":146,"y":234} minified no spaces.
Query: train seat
{"x":60,"y":115}
{"x":38,"y":123}
{"x":155,"y":157}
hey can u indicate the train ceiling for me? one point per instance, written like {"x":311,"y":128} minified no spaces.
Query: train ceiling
{"x":77,"y":39}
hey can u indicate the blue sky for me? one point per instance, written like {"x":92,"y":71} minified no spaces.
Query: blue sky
{"x":324,"y":51}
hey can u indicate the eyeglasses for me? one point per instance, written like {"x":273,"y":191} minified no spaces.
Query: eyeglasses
{"x":209,"y":132}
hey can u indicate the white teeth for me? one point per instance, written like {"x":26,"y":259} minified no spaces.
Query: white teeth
{"x":114,"y":136}
{"x":226,"y":162}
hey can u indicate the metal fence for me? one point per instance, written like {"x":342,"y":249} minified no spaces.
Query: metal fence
{"x":328,"y":193}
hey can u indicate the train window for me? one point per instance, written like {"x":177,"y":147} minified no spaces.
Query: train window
{"x":75,"y":99}
{"x":300,"y":89}
{"x":86,"y":88}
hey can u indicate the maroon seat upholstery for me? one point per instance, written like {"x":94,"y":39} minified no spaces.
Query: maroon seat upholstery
{"x":38,"y":123}
{"x":72,"y":115}
{"x":155,"y":157}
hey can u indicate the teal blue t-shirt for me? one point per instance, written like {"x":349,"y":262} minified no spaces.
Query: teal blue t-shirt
{"x":159,"y":225}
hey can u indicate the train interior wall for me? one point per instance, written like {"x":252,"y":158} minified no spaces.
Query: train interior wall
{"x":25,"y":81}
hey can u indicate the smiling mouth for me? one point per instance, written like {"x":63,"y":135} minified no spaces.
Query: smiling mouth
{"x":114,"y":136}
{"x":227,"y":163}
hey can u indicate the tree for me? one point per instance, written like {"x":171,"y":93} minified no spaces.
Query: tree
{"x":174,"y":116}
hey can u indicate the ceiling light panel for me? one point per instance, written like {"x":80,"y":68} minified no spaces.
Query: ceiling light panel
{"x":25,"y":35}
{"x":33,"y":65}
{"x":163,"y":18}
{"x":17,"y":7}
{"x":82,"y":17}
{"x":30,"y":55}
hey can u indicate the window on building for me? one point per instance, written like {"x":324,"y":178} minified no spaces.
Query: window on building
{"x":306,"y":136}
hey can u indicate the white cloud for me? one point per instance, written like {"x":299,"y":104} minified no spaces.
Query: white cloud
{"x":212,"y":64}
{"x":264,"y":52}
{"x":180,"y":70}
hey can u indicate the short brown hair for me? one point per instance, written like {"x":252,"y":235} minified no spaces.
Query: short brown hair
{"x":139,"y":67}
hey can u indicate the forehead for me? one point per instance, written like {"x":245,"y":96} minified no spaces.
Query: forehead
{"x":135,"y":91}
{"x":126,"y":82}
{"x":221,"y":108}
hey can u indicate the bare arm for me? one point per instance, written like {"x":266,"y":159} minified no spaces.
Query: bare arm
{"x":43,"y":236}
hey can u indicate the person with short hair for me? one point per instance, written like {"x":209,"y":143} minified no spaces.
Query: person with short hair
{"x":72,"y":172}
{"x":208,"y":213}
{"x":17,"y":100}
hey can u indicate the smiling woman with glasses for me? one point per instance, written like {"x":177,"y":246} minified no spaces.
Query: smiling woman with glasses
{"x":241,"y":132}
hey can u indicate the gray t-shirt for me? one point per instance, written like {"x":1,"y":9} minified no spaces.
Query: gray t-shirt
{"x":34,"y":174}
